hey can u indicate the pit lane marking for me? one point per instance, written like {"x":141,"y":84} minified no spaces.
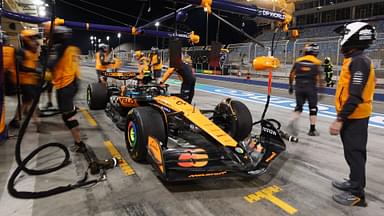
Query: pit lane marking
{"x":329,"y":111}
{"x":124,"y":166}
{"x":89,"y":117}
{"x":267,"y":194}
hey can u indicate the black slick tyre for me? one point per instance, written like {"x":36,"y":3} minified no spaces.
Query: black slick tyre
{"x":97,"y":96}
{"x":143,"y":122}
{"x":235,"y":118}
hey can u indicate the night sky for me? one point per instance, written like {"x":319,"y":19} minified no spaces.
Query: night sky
{"x":196,"y":21}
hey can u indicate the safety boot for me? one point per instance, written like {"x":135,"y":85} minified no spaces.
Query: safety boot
{"x":313,"y":133}
{"x":292,"y":128}
{"x":78,"y":147}
{"x":349,"y":199}
{"x":345,"y":185}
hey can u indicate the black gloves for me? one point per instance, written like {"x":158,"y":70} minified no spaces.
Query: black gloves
{"x":290,"y":90}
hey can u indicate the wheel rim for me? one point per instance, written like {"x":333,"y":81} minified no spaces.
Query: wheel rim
{"x":132,"y":134}
{"x":88,"y":96}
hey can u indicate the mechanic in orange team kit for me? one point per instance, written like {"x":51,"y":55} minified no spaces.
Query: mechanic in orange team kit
{"x":307,"y":75}
{"x":65,"y":69}
{"x":10,"y":87}
{"x":102,"y":62}
{"x":155,"y":63}
{"x":143,"y":67}
{"x":28,"y":76}
{"x":354,"y":96}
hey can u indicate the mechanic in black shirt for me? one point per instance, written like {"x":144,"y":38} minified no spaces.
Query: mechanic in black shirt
{"x":354,"y":96}
{"x":188,"y":78}
{"x":307,"y":75}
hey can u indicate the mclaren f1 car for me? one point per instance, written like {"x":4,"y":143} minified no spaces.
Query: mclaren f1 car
{"x":183,"y":142}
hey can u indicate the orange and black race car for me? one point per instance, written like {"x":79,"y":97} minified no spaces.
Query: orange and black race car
{"x":183,"y":142}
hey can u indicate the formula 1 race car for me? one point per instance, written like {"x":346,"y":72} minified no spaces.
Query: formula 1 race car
{"x":181,"y":141}
{"x":117,"y":100}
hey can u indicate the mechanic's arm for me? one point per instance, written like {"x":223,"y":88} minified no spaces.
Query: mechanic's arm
{"x":360,"y":69}
{"x":319,"y":77}
{"x":167,"y":74}
{"x":292,"y":75}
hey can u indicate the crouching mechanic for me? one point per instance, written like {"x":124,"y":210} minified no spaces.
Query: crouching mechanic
{"x":354,"y":96}
{"x":307,"y":75}
{"x":188,"y":78}
{"x":64,"y":66}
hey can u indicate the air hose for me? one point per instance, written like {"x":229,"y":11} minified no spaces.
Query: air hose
{"x":23,"y":162}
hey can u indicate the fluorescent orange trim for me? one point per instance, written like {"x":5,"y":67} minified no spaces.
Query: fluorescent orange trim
{"x":271,"y":157}
{"x":265,"y":62}
{"x":154,"y":148}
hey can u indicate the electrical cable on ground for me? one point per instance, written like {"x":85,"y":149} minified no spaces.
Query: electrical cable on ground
{"x":23,"y":162}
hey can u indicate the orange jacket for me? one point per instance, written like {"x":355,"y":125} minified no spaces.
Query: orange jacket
{"x":27,"y":68}
{"x":9,"y":61}
{"x":156,"y":62}
{"x":67,"y":68}
{"x":101,"y":63}
{"x":355,"y":89}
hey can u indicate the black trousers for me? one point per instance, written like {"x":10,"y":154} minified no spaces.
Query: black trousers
{"x":354,"y":135}
{"x":187,"y":90}
{"x":303,"y":95}
{"x":65,"y":97}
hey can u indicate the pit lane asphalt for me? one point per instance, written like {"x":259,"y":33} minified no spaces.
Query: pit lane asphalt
{"x":303,"y":174}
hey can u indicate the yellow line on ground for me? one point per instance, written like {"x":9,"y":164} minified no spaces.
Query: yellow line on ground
{"x":281,"y":204}
{"x":128,"y":170}
{"x":267,"y":194}
{"x":88,"y":116}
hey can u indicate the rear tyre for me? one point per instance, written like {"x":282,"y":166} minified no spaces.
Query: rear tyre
{"x":235,"y":118}
{"x":143,"y":122}
{"x":97,"y":96}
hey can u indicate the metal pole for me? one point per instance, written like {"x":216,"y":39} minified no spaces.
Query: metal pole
{"x":218,"y":29}
{"x":237,"y":29}
{"x":286,"y":53}
{"x":337,"y":57}
{"x":93,"y":26}
{"x":206,"y":30}
{"x":294,"y":51}
{"x":239,"y":8}
{"x":157,"y":37}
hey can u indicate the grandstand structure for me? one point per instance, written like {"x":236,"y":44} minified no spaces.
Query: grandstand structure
{"x":315,"y":12}
{"x":316,"y":20}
